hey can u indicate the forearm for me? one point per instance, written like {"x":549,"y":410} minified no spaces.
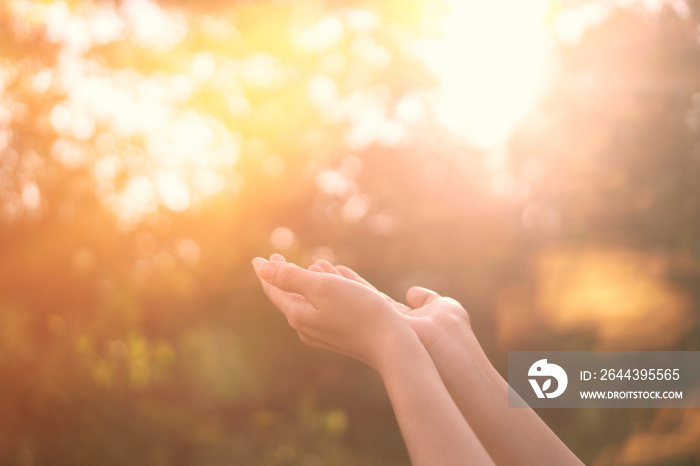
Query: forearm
{"x":512,"y":436}
{"x":433,"y":428}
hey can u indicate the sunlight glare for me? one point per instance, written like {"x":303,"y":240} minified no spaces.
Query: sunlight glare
{"x":490,"y":63}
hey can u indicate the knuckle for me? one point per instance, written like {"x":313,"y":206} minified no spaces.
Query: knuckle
{"x":453,"y":311}
{"x":448,"y":300}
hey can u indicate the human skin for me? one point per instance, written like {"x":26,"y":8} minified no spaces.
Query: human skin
{"x":342,"y":315}
{"x":512,"y":436}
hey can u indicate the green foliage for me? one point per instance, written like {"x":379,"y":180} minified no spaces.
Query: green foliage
{"x":132,"y":330}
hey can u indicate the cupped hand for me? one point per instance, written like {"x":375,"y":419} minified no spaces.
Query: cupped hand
{"x":432,"y":317}
{"x":331,"y":311}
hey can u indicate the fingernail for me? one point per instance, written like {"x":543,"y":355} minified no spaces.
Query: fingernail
{"x":257,"y":262}
{"x":267,"y":270}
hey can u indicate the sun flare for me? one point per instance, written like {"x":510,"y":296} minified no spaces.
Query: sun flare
{"x":491,"y":65}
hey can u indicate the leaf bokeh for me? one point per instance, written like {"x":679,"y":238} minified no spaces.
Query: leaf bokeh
{"x":149,"y":150}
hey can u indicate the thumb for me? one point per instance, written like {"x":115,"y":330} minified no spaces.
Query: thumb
{"x":285,"y":276}
{"x":417,"y":296}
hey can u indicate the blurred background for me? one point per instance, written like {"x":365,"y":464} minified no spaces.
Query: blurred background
{"x":538,"y":161}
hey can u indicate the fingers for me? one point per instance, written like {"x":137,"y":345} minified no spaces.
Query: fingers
{"x":401,"y":307}
{"x":286,"y":276}
{"x":327,"y":267}
{"x":290,"y":304}
{"x":350,"y":274}
{"x":323,"y":265}
{"x":417,"y":296}
{"x":347,"y":272}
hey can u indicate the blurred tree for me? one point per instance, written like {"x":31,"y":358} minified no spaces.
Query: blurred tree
{"x":149,"y":150}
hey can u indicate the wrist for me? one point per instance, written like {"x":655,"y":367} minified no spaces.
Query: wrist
{"x":456,"y":341}
{"x":440,"y":339}
{"x":397,"y":348}
{"x":461,"y":352}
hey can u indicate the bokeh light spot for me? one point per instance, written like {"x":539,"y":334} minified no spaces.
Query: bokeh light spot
{"x":282,"y":238}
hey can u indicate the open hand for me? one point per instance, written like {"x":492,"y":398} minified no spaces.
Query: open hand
{"x":331,"y":311}
{"x":430,"y":315}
